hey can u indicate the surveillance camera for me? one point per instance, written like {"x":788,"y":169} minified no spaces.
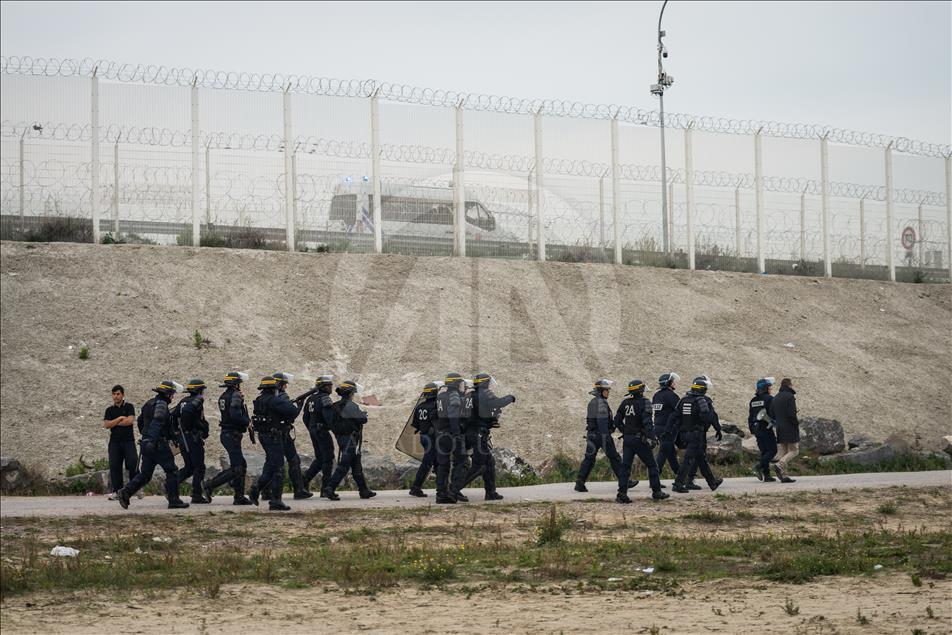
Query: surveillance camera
{"x":664,"y":54}
{"x":662,"y":33}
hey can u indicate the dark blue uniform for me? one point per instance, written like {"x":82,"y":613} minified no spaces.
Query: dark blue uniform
{"x":318,"y":414}
{"x":484,"y":416}
{"x":598,"y":436}
{"x":766,"y":439}
{"x":694,"y":415}
{"x":234,"y":424}
{"x":266,"y":422}
{"x":349,"y":429}
{"x":450,"y":444}
{"x":157,"y":432}
{"x":286,"y":412}
{"x":194,"y":429}
{"x":633,"y":419}
{"x":664,"y":402}
{"x":424,"y":416}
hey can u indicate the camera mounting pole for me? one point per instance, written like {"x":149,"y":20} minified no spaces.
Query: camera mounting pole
{"x":664,"y":81}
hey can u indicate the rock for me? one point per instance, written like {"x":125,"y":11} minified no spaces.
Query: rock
{"x":948,"y":445}
{"x":869,"y":456}
{"x":255,"y":461}
{"x":749,"y":446}
{"x":12,"y":475}
{"x":383,"y":473}
{"x":509,"y":462}
{"x":730,"y":428}
{"x":821,"y":436}
{"x":729,"y":447}
{"x":898,"y":442}
{"x":861,"y":441}
{"x":97,"y":481}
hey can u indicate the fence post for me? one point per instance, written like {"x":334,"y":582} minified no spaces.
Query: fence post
{"x":94,"y":176}
{"x":459,"y":196}
{"x":375,"y":170}
{"x":22,"y":181}
{"x":670,"y":211}
{"x":948,"y":213}
{"x":616,"y":193}
{"x":208,"y":184}
{"x":862,"y":233}
{"x":737,"y":241}
{"x":919,"y":237}
{"x":115,"y":188}
{"x":288,"y":171}
{"x":601,"y":212}
{"x":689,"y":190}
{"x":196,"y":225}
{"x":825,"y":203}
{"x":540,"y":201}
{"x":890,"y":263}
{"x":294,"y":190}
{"x":803,"y":225}
{"x":759,"y":197}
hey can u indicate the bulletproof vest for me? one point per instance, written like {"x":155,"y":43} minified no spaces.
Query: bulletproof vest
{"x":633,"y":414}
{"x":662,"y":406}
{"x":224,"y":407}
{"x":484,"y":413}
{"x":690,"y":413}
{"x":446,"y":400}
{"x":758,"y":403}
{"x":468,"y":411}
{"x":314,"y":411}
{"x":261,"y":411}
{"x":145,"y":415}
{"x":597,"y":409}
{"x":277,"y":418}
{"x":423,"y":416}
{"x":191,"y":422}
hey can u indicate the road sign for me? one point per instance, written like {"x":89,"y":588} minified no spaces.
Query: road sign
{"x":908,"y":238}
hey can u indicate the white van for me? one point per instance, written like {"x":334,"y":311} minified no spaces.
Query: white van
{"x":409,"y":210}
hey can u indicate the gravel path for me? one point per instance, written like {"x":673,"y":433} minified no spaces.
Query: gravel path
{"x":73,"y":506}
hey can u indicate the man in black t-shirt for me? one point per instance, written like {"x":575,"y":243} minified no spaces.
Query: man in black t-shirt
{"x":122,"y":445}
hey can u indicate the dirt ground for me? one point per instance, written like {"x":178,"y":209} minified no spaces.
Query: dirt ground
{"x":833,"y":605}
{"x":395,"y":322}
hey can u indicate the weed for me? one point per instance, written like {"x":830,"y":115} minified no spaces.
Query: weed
{"x":916,"y":580}
{"x":550,"y":528}
{"x":887,"y":509}
{"x":84,"y":352}
{"x":930,"y":613}
{"x":790,"y":608}
{"x":199,"y":341}
{"x":57,"y":229}
{"x":861,"y":619}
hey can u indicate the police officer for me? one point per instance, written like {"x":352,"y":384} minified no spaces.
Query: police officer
{"x":267,"y":423}
{"x":664,"y":402}
{"x":486,"y":408}
{"x":348,"y":426}
{"x":450,"y":444}
{"x":156,"y":432}
{"x":287,"y":412}
{"x":318,"y":414}
{"x":633,"y":419}
{"x":598,"y":435}
{"x":234,"y":424}
{"x":694,"y":415}
{"x":759,"y":418}
{"x":422,"y":421}
{"x":194,"y":430}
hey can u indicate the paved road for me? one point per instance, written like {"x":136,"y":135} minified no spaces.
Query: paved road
{"x":73,"y":506}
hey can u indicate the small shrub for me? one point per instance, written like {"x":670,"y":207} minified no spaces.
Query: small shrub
{"x":125,"y":239}
{"x":60,"y":229}
{"x":199,"y":341}
{"x":790,"y":608}
{"x":84,"y":352}
{"x":432,"y":569}
{"x":861,"y":619}
{"x":930,"y":613}
{"x":551,"y":527}
{"x":916,"y":580}
{"x":888,"y":509}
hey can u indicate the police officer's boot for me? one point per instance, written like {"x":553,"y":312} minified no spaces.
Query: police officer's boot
{"x":768,"y":478}
{"x":278,"y":506}
{"x":580,"y":486}
{"x":123,"y":497}
{"x":254,"y":493}
{"x":297,"y":481}
{"x":493,"y":496}
{"x":328,"y":493}
{"x":632,"y":483}
{"x":445,"y":499}
{"x":658,"y":495}
{"x":622,"y":497}
{"x":759,"y":473}
{"x":239,"y":487}
{"x":417,"y":492}
{"x":177,"y":503}
{"x":367,"y":493}
{"x":716,"y":484}
{"x":693,"y":485}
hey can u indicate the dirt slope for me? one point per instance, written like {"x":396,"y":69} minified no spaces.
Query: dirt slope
{"x":861,"y":352}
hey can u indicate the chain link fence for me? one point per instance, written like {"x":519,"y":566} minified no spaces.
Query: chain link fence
{"x":100,"y":151}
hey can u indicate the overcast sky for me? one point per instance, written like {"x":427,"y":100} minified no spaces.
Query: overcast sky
{"x":883,"y":67}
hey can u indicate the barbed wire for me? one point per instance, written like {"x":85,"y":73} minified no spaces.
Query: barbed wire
{"x":403,"y":93}
{"x":419,"y":154}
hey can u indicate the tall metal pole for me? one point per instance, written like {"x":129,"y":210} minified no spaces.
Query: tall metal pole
{"x":803,"y":225}
{"x":671,"y":208}
{"x":196,"y":225}
{"x":208,"y":185}
{"x":919,"y":237}
{"x":601,"y":211}
{"x":459,"y":197}
{"x":689,"y":191}
{"x":288,"y":172}
{"x":115,"y":189}
{"x":890,"y":248}
{"x":375,"y":171}
{"x":948,"y":214}
{"x":759,"y":198}
{"x":737,"y":220}
{"x":665,"y":239}
{"x":540,"y":200}
{"x":22,"y":179}
{"x":862,"y":233}
{"x":825,"y":205}
{"x":94,"y":149}
{"x":616,"y":193}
